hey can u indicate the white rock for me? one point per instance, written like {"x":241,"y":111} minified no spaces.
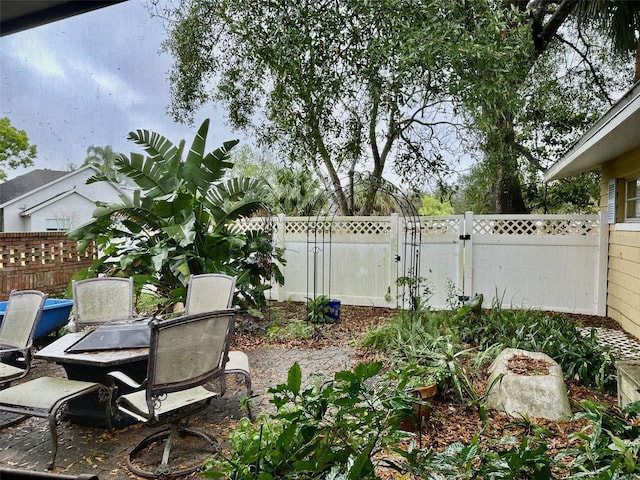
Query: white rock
{"x":536,"y":396}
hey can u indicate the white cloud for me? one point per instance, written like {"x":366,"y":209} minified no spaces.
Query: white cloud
{"x":90,"y":80}
{"x":107,"y":83}
{"x":37,"y":55}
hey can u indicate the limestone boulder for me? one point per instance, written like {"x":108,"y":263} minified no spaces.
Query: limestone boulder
{"x":536,"y":393}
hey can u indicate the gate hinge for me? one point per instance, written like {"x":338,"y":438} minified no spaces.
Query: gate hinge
{"x":465,"y":237}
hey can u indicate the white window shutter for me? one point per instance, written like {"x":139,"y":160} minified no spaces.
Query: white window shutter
{"x":611,"y":202}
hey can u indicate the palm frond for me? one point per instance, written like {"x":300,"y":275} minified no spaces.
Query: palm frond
{"x":150,"y":175}
{"x":237,"y":197}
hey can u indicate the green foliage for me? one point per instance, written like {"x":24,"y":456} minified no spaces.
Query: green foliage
{"x":15,"y":149}
{"x":103,"y":158}
{"x":466,"y":462}
{"x":180,"y":221}
{"x":581,"y":357}
{"x":335,"y":429}
{"x":296,"y":192}
{"x":293,"y":190}
{"x":291,"y":329}
{"x":423,"y":346}
{"x":336,"y":85}
{"x":433,"y":206}
{"x":608,"y":448}
{"x":318,"y":310}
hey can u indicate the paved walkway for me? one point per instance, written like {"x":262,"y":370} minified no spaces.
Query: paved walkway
{"x":623,"y":346}
{"x":26,"y":445}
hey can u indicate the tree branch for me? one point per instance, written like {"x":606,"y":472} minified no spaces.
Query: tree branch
{"x":597,"y":80}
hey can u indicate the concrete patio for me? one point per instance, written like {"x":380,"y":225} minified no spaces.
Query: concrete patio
{"x":92,"y":450}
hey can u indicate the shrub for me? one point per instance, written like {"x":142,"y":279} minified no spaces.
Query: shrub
{"x":335,"y":429}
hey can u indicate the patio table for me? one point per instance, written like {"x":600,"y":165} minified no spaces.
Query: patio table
{"x":94,"y":366}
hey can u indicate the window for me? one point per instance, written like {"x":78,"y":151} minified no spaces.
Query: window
{"x":57,"y":224}
{"x":632,"y":200}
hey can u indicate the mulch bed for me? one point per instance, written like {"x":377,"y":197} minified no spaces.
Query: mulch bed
{"x":449,"y":422}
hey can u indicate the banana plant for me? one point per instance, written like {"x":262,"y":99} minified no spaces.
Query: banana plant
{"x":180,"y":220}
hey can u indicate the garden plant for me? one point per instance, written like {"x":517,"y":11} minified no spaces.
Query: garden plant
{"x":181,"y":220}
{"x":347,"y":427}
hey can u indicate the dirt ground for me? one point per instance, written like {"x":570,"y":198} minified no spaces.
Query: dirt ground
{"x":449,"y":422}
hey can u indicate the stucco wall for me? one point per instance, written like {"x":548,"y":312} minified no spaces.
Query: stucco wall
{"x":623,"y":278}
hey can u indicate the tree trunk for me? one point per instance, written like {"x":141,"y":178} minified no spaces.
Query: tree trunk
{"x":636,"y":77}
{"x":506,"y":195}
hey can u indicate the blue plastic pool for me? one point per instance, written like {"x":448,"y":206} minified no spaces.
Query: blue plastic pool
{"x":54,"y":316}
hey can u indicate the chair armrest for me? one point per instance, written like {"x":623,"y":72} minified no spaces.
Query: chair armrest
{"x":12,"y":354}
{"x":123,"y":378}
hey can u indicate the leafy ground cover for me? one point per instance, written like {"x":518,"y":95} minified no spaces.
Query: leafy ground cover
{"x":461,"y":439}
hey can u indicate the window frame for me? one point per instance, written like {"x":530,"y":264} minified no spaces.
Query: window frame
{"x":628,"y":199}
{"x":63,"y":224}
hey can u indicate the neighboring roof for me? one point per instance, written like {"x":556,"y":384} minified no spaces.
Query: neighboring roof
{"x":34,"y":208}
{"x":18,"y":15}
{"x":28,"y":182}
{"x":48,"y":184}
{"x":615,"y":133}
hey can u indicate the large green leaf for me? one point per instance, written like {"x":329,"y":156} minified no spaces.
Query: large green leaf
{"x":191,"y":170}
{"x":184,"y":233}
{"x":150,"y":175}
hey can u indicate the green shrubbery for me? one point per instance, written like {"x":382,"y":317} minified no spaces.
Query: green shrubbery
{"x":330,"y":430}
{"x":344,"y":428}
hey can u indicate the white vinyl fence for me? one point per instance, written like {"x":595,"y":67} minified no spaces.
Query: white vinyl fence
{"x":548,"y":262}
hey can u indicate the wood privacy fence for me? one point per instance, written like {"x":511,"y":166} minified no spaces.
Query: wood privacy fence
{"x":548,"y":262}
{"x":43,"y":261}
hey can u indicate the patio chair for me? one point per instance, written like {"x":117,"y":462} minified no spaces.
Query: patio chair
{"x":101,"y":300}
{"x":45,"y":397}
{"x":208,"y":292}
{"x":214,"y":291}
{"x":185,"y":353}
{"x":23,"y":312}
{"x":23,"y":474}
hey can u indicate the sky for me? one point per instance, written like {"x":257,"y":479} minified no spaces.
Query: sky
{"x":90,"y":80}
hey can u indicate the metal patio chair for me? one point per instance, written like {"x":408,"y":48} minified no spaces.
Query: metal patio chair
{"x":45,"y":397}
{"x":185,"y":353}
{"x":214,"y":291}
{"x":101,"y":300}
{"x":23,"y":312}
{"x":208,"y":292}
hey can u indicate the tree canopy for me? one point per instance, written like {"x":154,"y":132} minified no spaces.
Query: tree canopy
{"x":350,"y":86}
{"x":338,"y":86}
{"x":15,"y":149}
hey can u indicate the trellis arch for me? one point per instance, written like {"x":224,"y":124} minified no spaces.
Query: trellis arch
{"x":319,"y":235}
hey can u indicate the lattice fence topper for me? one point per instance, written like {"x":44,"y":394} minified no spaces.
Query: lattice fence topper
{"x":438,"y":226}
{"x":51,"y":253}
{"x":371,"y":226}
{"x":540,"y":226}
{"x":339,"y":227}
{"x":257,"y":223}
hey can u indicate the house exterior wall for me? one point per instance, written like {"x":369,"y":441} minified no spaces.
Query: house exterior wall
{"x":623,"y":277}
{"x":76,"y":208}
